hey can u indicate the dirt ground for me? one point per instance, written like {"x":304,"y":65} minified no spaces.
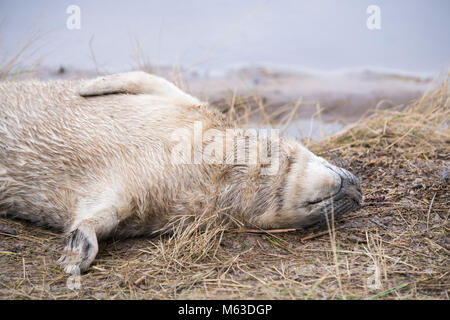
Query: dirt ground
{"x":396,"y":246}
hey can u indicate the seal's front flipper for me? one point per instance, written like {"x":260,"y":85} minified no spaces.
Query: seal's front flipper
{"x":129,"y":83}
{"x":82,"y":240}
{"x":136,"y":82}
{"x":80,"y":250}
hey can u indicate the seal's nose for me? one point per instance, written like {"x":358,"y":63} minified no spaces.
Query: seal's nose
{"x":350,"y":191}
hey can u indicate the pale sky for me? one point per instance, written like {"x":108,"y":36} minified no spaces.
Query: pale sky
{"x":215,"y":34}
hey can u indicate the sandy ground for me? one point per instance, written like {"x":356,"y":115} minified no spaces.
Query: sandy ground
{"x":342,"y":96}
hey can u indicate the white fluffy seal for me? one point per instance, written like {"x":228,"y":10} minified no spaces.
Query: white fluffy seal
{"x":96,"y":158}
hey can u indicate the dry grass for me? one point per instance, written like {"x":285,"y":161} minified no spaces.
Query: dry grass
{"x":11,"y":65}
{"x":395,"y":247}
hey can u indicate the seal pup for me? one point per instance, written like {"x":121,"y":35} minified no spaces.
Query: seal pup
{"x":102,"y":157}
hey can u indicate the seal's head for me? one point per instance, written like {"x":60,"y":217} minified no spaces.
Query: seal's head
{"x":313,"y":190}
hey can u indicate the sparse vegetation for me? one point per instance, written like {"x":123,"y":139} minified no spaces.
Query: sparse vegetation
{"x":11,"y":65}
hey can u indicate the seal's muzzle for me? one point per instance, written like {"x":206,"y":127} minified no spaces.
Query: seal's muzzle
{"x":347,"y":198}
